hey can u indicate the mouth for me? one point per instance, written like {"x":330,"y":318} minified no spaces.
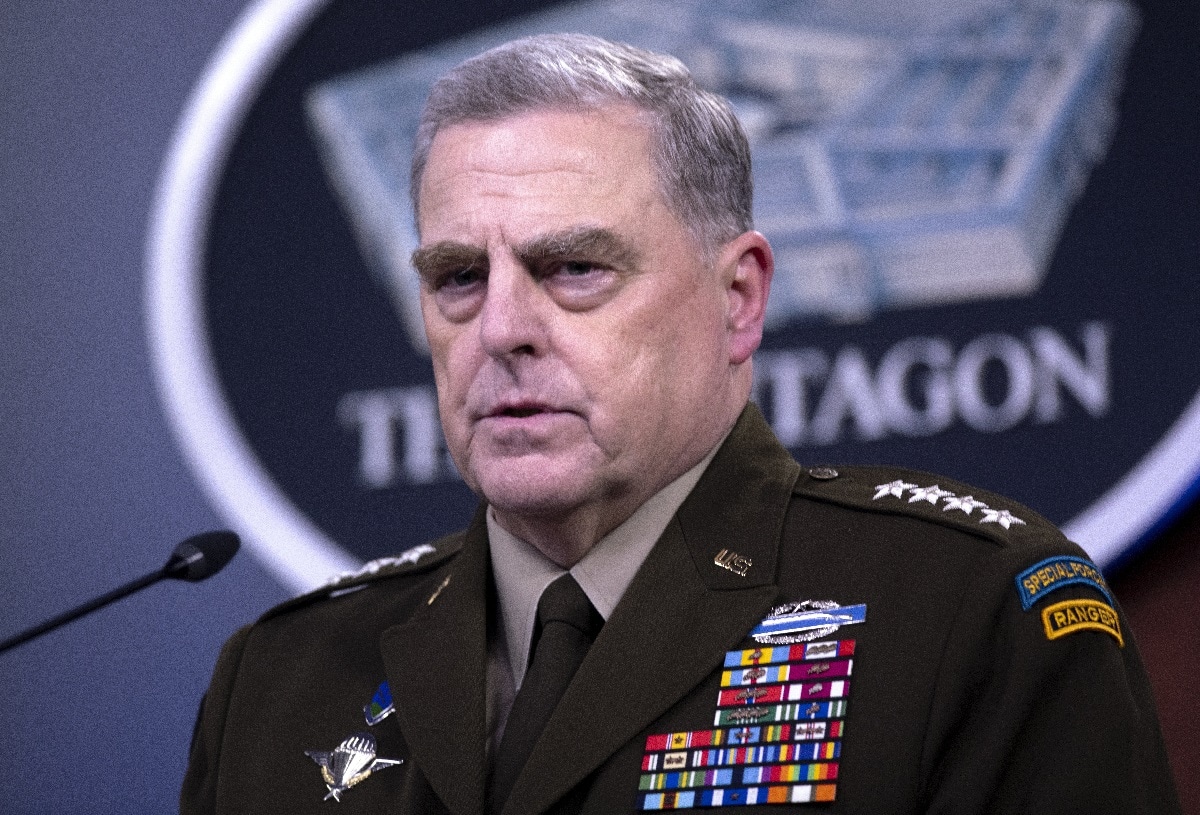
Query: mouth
{"x":521,"y":410}
{"x":521,"y":413}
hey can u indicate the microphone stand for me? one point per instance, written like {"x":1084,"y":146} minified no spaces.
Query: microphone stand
{"x":195,"y":559}
{"x":86,"y":608}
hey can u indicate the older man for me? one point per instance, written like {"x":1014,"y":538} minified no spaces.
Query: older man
{"x":656,"y":607}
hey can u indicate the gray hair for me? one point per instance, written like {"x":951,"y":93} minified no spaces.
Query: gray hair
{"x":699,"y":150}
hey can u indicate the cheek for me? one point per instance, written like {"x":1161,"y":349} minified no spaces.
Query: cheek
{"x":632,"y":373}
{"x":683,"y":341}
{"x":679,"y":324}
{"x":453,"y":372}
{"x":452,"y":383}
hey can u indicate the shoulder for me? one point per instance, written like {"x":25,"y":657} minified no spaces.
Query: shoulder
{"x":931,"y":499}
{"x":411,"y":564}
{"x":1000,"y":553}
{"x":1011,"y":541}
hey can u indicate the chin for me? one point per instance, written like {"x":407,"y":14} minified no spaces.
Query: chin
{"x":530,"y":500}
{"x":534,"y":491}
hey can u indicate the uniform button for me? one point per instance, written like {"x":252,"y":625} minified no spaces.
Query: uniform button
{"x":823,"y":473}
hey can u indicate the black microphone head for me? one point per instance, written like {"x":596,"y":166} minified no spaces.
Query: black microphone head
{"x":202,"y":555}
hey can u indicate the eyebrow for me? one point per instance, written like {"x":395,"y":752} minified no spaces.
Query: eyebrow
{"x":582,"y":243}
{"x":430,"y":260}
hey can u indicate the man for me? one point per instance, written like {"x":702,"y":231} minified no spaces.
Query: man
{"x":735,"y":630}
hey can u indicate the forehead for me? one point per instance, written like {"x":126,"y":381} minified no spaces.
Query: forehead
{"x":544,"y":167}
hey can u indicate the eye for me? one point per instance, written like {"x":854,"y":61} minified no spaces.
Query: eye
{"x":459,"y":292}
{"x":576,"y":268}
{"x":463,"y":278}
{"x":573,"y":271}
{"x":579,"y":285}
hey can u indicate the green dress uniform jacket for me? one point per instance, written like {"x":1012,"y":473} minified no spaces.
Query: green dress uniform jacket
{"x":957,"y":698}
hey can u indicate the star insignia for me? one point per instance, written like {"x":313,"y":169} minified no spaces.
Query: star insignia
{"x":966,"y":503}
{"x":895,"y":489}
{"x":1000,"y":516}
{"x":931,"y":494}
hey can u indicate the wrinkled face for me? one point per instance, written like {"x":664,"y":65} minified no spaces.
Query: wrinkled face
{"x":579,"y":341}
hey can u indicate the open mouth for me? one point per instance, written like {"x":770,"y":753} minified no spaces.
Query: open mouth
{"x":522,"y":413}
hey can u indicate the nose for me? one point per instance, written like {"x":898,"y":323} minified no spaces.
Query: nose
{"x":510,"y":321}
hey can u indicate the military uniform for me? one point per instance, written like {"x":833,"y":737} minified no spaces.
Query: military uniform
{"x":979,"y":666}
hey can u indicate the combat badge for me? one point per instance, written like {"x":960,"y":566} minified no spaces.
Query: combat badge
{"x":805,"y":621}
{"x":350,"y":762}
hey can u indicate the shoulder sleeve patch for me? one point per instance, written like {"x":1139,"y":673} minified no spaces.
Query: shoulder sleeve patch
{"x":1071,"y":616}
{"x":1057,"y":573}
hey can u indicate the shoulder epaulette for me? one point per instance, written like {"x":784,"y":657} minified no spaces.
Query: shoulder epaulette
{"x":929,"y":497}
{"x":412,"y":561}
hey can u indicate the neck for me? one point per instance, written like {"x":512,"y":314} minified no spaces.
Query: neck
{"x":566,"y":538}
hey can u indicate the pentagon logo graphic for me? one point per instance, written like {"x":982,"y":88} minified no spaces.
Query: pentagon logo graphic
{"x":968,"y":281}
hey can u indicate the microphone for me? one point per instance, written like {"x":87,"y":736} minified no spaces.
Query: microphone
{"x":201,"y":556}
{"x":195,"y":559}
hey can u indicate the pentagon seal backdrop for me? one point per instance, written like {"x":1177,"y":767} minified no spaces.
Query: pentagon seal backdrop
{"x":982,"y":213}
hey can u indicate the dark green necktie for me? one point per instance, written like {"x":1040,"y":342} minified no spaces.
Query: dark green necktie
{"x":567,"y":624}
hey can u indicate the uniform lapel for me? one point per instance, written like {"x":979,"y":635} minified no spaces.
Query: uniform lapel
{"x":678,"y":617}
{"x":435,"y":665}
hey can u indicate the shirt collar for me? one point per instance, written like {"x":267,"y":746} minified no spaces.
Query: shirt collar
{"x":521,"y":572}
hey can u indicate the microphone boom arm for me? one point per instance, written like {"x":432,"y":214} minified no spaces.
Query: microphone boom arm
{"x":198,"y":557}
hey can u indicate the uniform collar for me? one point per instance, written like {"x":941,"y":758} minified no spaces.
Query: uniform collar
{"x":521,"y":572}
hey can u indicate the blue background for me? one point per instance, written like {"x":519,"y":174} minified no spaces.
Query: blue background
{"x":95,"y":718}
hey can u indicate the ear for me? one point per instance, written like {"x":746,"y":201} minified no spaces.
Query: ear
{"x":747,"y":264}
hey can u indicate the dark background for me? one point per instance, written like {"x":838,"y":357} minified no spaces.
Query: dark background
{"x":93,"y":491}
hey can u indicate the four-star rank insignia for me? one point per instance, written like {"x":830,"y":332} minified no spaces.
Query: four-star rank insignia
{"x":350,"y":762}
{"x":949,"y":501}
